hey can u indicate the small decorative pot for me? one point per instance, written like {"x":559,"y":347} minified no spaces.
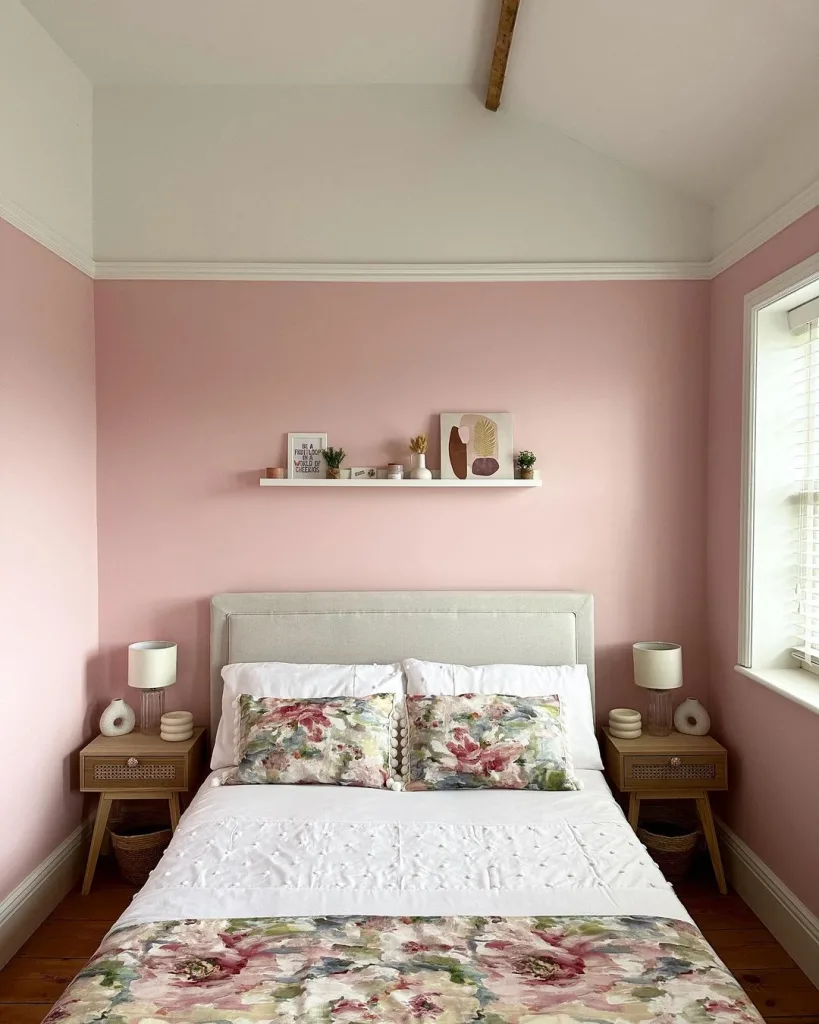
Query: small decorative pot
{"x":395,"y":471}
{"x":118,"y":719}
{"x":625,"y":724}
{"x":527,"y":474}
{"x":333,"y":473}
{"x":176,"y":726}
{"x":419,"y":470}
{"x":692,"y":718}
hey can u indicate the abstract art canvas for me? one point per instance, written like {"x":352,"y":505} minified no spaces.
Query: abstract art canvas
{"x":477,"y":446}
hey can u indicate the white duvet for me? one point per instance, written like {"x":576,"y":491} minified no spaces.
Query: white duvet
{"x":267,"y":851}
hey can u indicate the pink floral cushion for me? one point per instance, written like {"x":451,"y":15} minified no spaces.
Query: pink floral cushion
{"x":487,"y":741}
{"x":336,"y":741}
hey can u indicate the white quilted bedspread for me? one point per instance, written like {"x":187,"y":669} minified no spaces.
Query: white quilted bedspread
{"x":250,"y":851}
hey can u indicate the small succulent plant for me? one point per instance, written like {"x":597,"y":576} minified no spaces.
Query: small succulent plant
{"x":525,"y":460}
{"x":333,"y":456}
{"x":419,"y":444}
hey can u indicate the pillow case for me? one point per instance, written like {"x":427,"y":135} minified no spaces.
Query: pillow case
{"x":569,"y":682}
{"x":281,"y":679}
{"x":487,"y":741}
{"x":336,"y":741}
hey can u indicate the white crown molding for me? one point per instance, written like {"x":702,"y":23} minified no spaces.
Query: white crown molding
{"x":147,"y":270}
{"x":791,"y":923}
{"x":23,"y":221}
{"x":791,"y":211}
{"x":26,"y":907}
{"x":182,"y":271}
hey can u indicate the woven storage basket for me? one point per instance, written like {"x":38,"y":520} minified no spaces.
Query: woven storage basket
{"x":138,"y":849}
{"x":671,"y":844}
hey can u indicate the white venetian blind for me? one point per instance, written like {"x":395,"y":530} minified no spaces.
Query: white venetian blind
{"x":806,"y":409}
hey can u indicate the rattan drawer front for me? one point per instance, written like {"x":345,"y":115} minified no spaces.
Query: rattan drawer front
{"x":109,"y":773}
{"x":683,"y":772}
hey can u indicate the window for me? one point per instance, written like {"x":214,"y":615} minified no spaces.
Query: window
{"x":806,"y":463}
{"x":779,"y":614}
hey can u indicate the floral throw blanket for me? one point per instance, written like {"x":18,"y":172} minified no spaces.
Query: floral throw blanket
{"x":449,"y":970}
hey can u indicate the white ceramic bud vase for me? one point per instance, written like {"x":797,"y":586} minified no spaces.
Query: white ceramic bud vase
{"x":118,"y":719}
{"x":419,"y":469}
{"x":692,"y":718}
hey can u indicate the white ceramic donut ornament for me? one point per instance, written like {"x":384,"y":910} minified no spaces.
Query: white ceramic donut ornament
{"x":692,"y":718}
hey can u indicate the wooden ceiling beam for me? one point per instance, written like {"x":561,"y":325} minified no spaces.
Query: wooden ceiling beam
{"x":503,"y":42}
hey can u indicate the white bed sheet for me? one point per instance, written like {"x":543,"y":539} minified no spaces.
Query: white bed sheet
{"x":268,"y":851}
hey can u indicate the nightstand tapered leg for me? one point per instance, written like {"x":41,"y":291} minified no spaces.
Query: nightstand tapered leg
{"x":103,"y":810}
{"x":707,"y":819}
{"x":173,"y":803}
{"x":633,"y":809}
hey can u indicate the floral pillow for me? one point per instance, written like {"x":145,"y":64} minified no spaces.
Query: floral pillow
{"x":335,"y":741}
{"x":487,"y":741}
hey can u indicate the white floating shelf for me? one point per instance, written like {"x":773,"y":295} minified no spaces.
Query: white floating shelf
{"x":406,"y":484}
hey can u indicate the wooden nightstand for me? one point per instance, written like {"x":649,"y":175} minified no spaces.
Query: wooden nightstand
{"x":137,"y":767}
{"x":675,"y":767}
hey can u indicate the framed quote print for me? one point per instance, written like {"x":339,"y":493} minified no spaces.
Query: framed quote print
{"x":304,"y":458}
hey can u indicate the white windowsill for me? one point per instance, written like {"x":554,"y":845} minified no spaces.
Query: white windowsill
{"x":794,"y":683}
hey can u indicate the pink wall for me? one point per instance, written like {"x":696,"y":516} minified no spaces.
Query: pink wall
{"x":774,"y":805}
{"x":49,"y":544}
{"x":198,"y":383}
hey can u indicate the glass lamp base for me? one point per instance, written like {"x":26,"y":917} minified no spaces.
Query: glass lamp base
{"x":151,"y":709}
{"x":659,"y":713}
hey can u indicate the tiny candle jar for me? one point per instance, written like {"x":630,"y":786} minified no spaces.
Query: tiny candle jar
{"x":395,"y":471}
{"x":274,"y":473}
{"x":625,"y":724}
{"x":175,"y":726}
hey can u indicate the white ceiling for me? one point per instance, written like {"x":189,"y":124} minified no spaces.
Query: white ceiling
{"x":689,"y":91}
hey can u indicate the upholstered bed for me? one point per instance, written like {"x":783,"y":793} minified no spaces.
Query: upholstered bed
{"x":323,"y":903}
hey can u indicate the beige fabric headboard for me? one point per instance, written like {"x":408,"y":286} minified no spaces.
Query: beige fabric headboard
{"x":467,"y":628}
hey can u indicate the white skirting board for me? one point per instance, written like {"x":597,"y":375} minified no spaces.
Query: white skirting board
{"x":792,"y":924}
{"x":26,"y":907}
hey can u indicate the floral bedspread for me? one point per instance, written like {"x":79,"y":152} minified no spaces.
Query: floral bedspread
{"x":449,"y":970}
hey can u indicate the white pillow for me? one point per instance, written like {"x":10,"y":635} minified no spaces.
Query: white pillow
{"x":569,"y":682}
{"x":280,"y":679}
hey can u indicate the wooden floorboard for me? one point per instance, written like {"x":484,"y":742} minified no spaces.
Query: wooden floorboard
{"x":23,"y":1013}
{"x":748,"y":948}
{"x":36,"y":977}
{"x":58,"y":938}
{"x":99,"y":905}
{"x":780,"y":993}
{"x":37,"y":980}
{"x":728,"y":912}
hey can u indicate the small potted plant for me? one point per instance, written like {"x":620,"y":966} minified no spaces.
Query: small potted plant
{"x":525,"y":461}
{"x":333,"y":457}
{"x":418,"y":447}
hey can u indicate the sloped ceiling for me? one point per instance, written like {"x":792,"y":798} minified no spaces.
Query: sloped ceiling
{"x":689,"y":92}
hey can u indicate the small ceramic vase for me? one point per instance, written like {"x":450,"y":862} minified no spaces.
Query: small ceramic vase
{"x":419,"y":470}
{"x":692,"y":718}
{"x":118,"y":719}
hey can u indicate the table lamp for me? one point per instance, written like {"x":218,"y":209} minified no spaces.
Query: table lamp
{"x":658,"y":669}
{"x":151,"y":668}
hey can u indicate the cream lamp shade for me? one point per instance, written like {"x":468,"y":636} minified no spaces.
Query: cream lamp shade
{"x":658,"y":666}
{"x":151,"y":664}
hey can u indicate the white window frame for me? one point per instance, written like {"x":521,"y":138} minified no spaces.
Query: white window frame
{"x":797,"y":285}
